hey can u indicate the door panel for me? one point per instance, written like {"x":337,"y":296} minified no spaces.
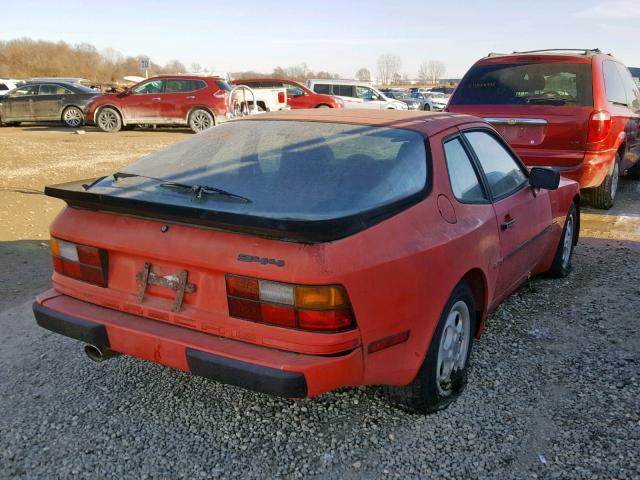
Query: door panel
{"x":524,"y":220}
{"x":143,"y":104}
{"x":20,"y":103}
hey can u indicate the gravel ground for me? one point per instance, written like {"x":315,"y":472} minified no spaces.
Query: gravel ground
{"x":554,"y":392}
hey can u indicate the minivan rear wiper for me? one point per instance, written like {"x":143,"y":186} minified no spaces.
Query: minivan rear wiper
{"x":197,"y":190}
{"x":549,"y":100}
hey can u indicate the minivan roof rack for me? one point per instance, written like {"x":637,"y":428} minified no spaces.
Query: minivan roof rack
{"x":584,"y":51}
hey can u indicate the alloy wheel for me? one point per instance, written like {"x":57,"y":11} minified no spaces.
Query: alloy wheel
{"x":108,"y":120}
{"x":454,"y":346}
{"x":72,"y":117}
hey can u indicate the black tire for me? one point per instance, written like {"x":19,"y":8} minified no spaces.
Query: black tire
{"x":201,"y":120}
{"x":603,"y":196}
{"x":72,"y":117}
{"x":424,"y":394}
{"x":128,"y":127}
{"x":12,"y":124}
{"x":108,"y":120}
{"x":426,"y":107}
{"x":561,"y":266}
{"x":323,"y":106}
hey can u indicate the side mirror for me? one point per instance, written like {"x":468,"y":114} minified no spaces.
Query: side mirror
{"x":546,"y":178}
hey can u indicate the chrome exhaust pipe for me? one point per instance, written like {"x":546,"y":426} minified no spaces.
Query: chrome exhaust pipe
{"x":100,"y":354}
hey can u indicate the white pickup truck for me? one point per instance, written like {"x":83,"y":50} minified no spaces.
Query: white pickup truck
{"x":248,"y":100}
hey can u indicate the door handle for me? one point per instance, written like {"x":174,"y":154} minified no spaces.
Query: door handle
{"x":507,"y":224}
{"x":190,"y":97}
{"x":156,"y":99}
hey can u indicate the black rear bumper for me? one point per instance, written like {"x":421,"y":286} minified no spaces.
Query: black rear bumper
{"x":247,"y":375}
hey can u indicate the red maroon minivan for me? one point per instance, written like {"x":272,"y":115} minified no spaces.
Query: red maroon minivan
{"x":576,"y":110}
{"x":199,"y":102}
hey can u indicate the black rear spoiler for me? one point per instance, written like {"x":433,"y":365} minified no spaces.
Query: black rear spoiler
{"x":78,"y":194}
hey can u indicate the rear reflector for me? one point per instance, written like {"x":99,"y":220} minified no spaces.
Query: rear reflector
{"x":388,"y":342}
{"x":281,"y":97}
{"x":316,"y":308}
{"x":81,"y":262}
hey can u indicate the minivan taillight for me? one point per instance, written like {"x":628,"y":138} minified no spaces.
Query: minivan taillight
{"x":81,"y":262}
{"x":323,"y":308}
{"x":281,"y":98}
{"x":599,"y":126}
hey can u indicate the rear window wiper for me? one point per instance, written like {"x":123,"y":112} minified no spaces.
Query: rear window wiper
{"x":199,"y":190}
{"x":549,"y":99}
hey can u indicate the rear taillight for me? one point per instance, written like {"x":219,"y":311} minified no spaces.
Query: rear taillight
{"x":281,"y":98}
{"x":81,"y":262}
{"x":319,"y":308}
{"x":599,"y":126}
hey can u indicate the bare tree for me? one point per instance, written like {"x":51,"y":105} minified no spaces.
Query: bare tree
{"x":435,"y":70}
{"x":388,"y":66}
{"x":195,"y":67}
{"x":364,"y":75}
{"x":423,"y":72}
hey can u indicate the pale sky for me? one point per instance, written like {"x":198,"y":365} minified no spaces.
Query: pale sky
{"x":338,"y":36}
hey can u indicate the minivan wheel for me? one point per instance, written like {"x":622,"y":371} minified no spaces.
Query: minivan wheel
{"x":200,"y":120}
{"x":109,"y":120}
{"x":561,"y":265}
{"x":426,"y":107}
{"x":443,"y":374}
{"x":72,"y":117}
{"x":604,"y":195}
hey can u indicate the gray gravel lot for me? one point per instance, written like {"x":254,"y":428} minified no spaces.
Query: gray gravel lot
{"x":554,"y":392}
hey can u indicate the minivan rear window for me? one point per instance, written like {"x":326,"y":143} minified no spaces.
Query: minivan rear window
{"x":551,"y":83}
{"x":289,"y":170}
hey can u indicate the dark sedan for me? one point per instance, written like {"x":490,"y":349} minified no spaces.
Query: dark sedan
{"x":46,"y":102}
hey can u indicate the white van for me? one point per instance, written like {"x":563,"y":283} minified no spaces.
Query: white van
{"x":355,"y":94}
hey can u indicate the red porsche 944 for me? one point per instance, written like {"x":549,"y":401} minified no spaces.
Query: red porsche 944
{"x":298,"y":252}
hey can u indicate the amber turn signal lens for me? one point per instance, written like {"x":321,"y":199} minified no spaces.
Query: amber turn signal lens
{"x":321,"y":298}
{"x":55,"y":247}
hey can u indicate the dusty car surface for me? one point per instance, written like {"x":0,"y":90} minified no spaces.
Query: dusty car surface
{"x":196,"y":101}
{"x":46,"y":101}
{"x":297,"y":252}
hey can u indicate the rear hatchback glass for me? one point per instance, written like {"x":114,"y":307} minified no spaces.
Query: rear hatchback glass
{"x":288,"y":170}
{"x":552,"y":83}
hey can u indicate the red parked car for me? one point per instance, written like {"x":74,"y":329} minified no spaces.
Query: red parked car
{"x":577,"y":111}
{"x":295,"y":253}
{"x":298,"y":96}
{"x":195,"y":101}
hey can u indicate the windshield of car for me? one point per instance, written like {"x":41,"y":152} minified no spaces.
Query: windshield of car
{"x":283,"y":170}
{"x":553,"y":83}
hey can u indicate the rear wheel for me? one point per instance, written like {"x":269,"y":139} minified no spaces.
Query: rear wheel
{"x":604,"y":195}
{"x":72,"y":117}
{"x":634,"y":172}
{"x":443,"y":374}
{"x":561,"y":265}
{"x":109,"y":120}
{"x":200,"y":120}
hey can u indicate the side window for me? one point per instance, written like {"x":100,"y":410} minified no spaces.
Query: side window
{"x":26,"y":91}
{"x":322,"y":88}
{"x":176,"y":85}
{"x":503,"y":173}
{"x":3,"y":86}
{"x":293,"y":90}
{"x":366,"y":93}
{"x":613,"y":83}
{"x":633,"y":95}
{"x":463,"y":177}
{"x":343,"y":90}
{"x":152,"y":86}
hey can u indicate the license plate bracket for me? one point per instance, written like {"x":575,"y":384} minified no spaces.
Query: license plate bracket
{"x":181,"y":285}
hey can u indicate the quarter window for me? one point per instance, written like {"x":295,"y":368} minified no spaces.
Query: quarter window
{"x":366,"y":93}
{"x":633,"y":95}
{"x":465,"y":183}
{"x":613,"y":83}
{"x":503,"y":173}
